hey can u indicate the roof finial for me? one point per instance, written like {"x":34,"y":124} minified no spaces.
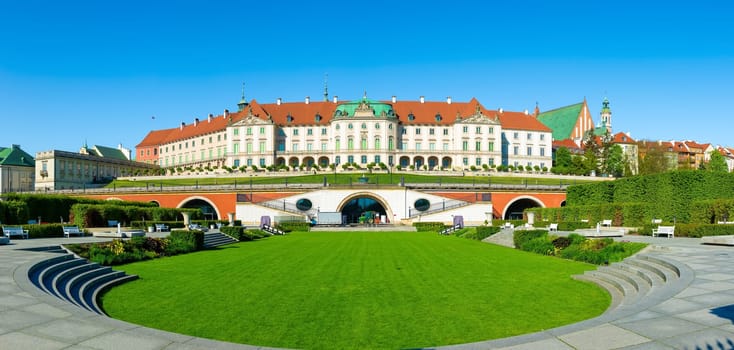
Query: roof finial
{"x":365,"y":95}
{"x":326,"y":88}
{"x":243,"y":103}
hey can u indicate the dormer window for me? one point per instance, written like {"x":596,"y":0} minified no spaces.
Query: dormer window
{"x":438,"y":117}
{"x":364,"y":125}
{"x":338,"y":113}
{"x":318,"y":117}
{"x":289,"y":118}
{"x":411,"y":117}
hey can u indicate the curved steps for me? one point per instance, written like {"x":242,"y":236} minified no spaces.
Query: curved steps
{"x":76,"y":280}
{"x":634,"y":279}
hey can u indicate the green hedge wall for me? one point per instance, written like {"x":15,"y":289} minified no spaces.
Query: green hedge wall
{"x":429,"y":226}
{"x":56,"y":208}
{"x":183,"y":241}
{"x":97,"y":215}
{"x":294,"y":226}
{"x":14,"y":212}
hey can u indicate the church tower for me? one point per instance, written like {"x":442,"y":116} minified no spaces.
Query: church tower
{"x":606,"y":115}
{"x":243,"y":103}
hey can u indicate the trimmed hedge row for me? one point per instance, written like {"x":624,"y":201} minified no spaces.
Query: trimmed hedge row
{"x":500,"y":222}
{"x":184,"y":241}
{"x":241,"y":234}
{"x":97,"y":215}
{"x":480,"y":232}
{"x":294,"y":226}
{"x":50,"y":207}
{"x":575,"y":247}
{"x":429,"y":226}
{"x":691,"y":230}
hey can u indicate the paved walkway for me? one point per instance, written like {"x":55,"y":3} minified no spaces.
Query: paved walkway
{"x":698,"y":317}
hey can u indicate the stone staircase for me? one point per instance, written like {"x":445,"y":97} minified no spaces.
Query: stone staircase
{"x":216,"y":239}
{"x":637,"y":282}
{"x":76,"y":280}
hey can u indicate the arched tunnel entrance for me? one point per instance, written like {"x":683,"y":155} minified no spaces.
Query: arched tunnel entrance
{"x":206,"y":208}
{"x":515,"y":209}
{"x":357,"y":206}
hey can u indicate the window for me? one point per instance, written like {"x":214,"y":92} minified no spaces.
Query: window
{"x":491,"y":130}
{"x":479,"y":129}
{"x":390,"y":160}
{"x":219,"y":137}
{"x":338,"y":126}
{"x":211,"y":153}
{"x":324,"y":146}
{"x":530,"y":151}
{"x":179,"y":146}
{"x":236,"y":162}
{"x":542,"y":165}
{"x":249,"y":162}
{"x":411,"y":117}
{"x":295,"y":147}
{"x":262,"y":146}
{"x":464,"y":145}
{"x":515,"y":150}
{"x":478,"y":145}
{"x":309,"y":146}
{"x":295,"y":132}
{"x":431,"y":131}
{"x":445,"y":146}
{"x":445,"y":131}
{"x":490,"y":161}
{"x":542,"y":137}
{"x":377,"y":125}
{"x":364,"y":125}
{"x":465,"y":129}
{"x":350,"y":126}
{"x":193,"y":143}
{"x":542,"y":152}
{"x":516,"y":135}
{"x":350,"y":144}
{"x":465,"y":160}
{"x":478,"y":161}
{"x":417,"y":146}
{"x":363,"y":144}
{"x":390,"y":143}
{"x":281,"y":146}
{"x":491,"y":147}
{"x":236,"y":148}
{"x":262,"y":162}
{"x":210,"y":140}
{"x":405,"y":131}
{"x":248,"y":147}
{"x":417,"y":131}
{"x":249,"y":131}
{"x":202,"y":157}
{"x":377,"y":159}
{"x":404,"y":145}
{"x":432,"y":146}
{"x":262,"y":130}
{"x":141,"y":154}
{"x":236,"y":132}
{"x":350,"y":159}
{"x":309,"y":131}
{"x":530,"y":136}
{"x":337,"y":160}
{"x":337,"y":145}
{"x":363,"y":159}
{"x":323,"y":131}
{"x":377,"y":143}
{"x":389,"y":126}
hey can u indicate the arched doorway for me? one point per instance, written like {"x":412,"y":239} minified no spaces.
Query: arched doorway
{"x":446,"y":162}
{"x":404,"y":161}
{"x":280,"y":161}
{"x":514,"y":211}
{"x":207,"y":209}
{"x":323,"y":162}
{"x":418,"y":162}
{"x":308,"y":161}
{"x":356,"y":206}
{"x":432,"y":162}
{"x":293,"y":162}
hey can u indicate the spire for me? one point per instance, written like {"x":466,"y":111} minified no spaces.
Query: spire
{"x":606,"y":115}
{"x":243,"y":103}
{"x":364,"y":97}
{"x":326,"y":88}
{"x":537,"y":109}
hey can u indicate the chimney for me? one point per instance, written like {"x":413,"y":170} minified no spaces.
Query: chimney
{"x":182,"y":126}
{"x":226,"y":113}
{"x":423,"y":99}
{"x":196,"y":121}
{"x":394,"y":99}
{"x":336,"y":99}
{"x":308,"y":99}
{"x":278,"y":101}
{"x":448,"y":100}
{"x":209,"y":118}
{"x":526,"y":112}
{"x":501,"y":110}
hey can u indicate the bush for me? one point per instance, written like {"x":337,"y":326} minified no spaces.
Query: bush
{"x":486,"y":231}
{"x":500,"y":222}
{"x":539,"y":245}
{"x":236,"y":232}
{"x":294,"y":226}
{"x":429,"y":226}
{"x":45,"y":230}
{"x":180,"y":241}
{"x":522,"y":237}
{"x":14,"y":212}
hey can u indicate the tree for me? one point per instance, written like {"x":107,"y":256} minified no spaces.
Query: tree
{"x":717,"y":163}
{"x":654,"y":162}
{"x":563,"y":160}
{"x":613,"y":163}
{"x":591,"y":153}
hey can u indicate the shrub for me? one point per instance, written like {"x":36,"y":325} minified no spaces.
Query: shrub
{"x":236,"y":232}
{"x":15,"y":212}
{"x":522,"y":237}
{"x":486,"y":231}
{"x":429,"y":226}
{"x":562,"y":242}
{"x":539,"y":245}
{"x":294,"y":226}
{"x":500,"y":222}
{"x":180,"y":241}
{"x":45,"y":230}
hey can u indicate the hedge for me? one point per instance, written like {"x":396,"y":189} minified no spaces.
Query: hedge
{"x":429,"y":226}
{"x":54,"y":207}
{"x":183,"y":241}
{"x":516,"y":223}
{"x":97,"y":215}
{"x":294,"y":226}
{"x":521,"y":237}
{"x":481,"y":232}
{"x":14,"y":212}
{"x":691,"y":230}
{"x":143,"y":225}
{"x":45,"y":230}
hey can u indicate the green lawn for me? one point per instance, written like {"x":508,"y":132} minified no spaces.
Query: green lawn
{"x":344,"y":179}
{"x":356,"y":290}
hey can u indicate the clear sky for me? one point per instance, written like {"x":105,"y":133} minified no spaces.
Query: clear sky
{"x":98,"y":71}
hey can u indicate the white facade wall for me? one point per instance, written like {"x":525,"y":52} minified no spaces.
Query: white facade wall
{"x":527,"y":147}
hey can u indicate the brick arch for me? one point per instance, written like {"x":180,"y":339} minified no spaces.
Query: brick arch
{"x":519,"y":198}
{"x":210,"y":202}
{"x":385,"y":204}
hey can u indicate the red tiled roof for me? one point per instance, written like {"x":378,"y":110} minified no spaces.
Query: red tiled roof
{"x":521,"y":121}
{"x":301,"y":112}
{"x":621,"y":137}
{"x":202,"y":127}
{"x":568,"y":143}
{"x":425,"y":113}
{"x":154,"y":138}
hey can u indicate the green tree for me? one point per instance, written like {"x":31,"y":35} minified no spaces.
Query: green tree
{"x":613,"y":162}
{"x":591,"y":153}
{"x":563,"y":158}
{"x":717,"y":163}
{"x":654,"y":162}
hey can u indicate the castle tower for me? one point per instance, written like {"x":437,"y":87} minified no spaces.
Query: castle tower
{"x":243,"y":103}
{"x":606,"y":115}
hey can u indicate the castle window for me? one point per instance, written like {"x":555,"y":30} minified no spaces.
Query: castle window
{"x":318,"y":117}
{"x":438,"y":117}
{"x":411,"y":117}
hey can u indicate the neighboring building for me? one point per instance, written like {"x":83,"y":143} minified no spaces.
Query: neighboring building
{"x":16,"y":170}
{"x":147,"y":150}
{"x":667,"y":148}
{"x":91,"y":167}
{"x":629,"y":149}
{"x":728,"y":154}
{"x":420,"y":134}
{"x":569,"y":122}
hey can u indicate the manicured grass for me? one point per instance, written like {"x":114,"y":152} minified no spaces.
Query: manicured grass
{"x":344,"y":179}
{"x":356,"y":290}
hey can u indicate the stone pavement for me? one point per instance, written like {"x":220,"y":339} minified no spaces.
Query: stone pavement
{"x":698,"y":316}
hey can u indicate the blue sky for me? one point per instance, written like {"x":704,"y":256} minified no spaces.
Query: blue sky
{"x":97,"y":71}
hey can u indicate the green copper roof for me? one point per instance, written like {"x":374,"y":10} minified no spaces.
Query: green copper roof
{"x":108,"y":152}
{"x":600,"y":131}
{"x":15,"y":156}
{"x":347,"y":109}
{"x":561,"y":120}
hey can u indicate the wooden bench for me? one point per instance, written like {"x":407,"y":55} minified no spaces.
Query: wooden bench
{"x":11,"y":231}
{"x":161,"y":227}
{"x":607,"y":223}
{"x":668,"y":231}
{"x":72,"y":230}
{"x":553,"y":227}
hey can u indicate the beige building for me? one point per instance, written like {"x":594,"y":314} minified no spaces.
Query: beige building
{"x":91,"y":167}
{"x":16,"y":170}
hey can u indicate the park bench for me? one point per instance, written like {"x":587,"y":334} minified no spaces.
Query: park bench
{"x":668,"y":231}
{"x":11,"y":231}
{"x":553,"y":227}
{"x":72,"y":230}
{"x":607,"y":223}
{"x":161,"y":227}
{"x":508,"y":225}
